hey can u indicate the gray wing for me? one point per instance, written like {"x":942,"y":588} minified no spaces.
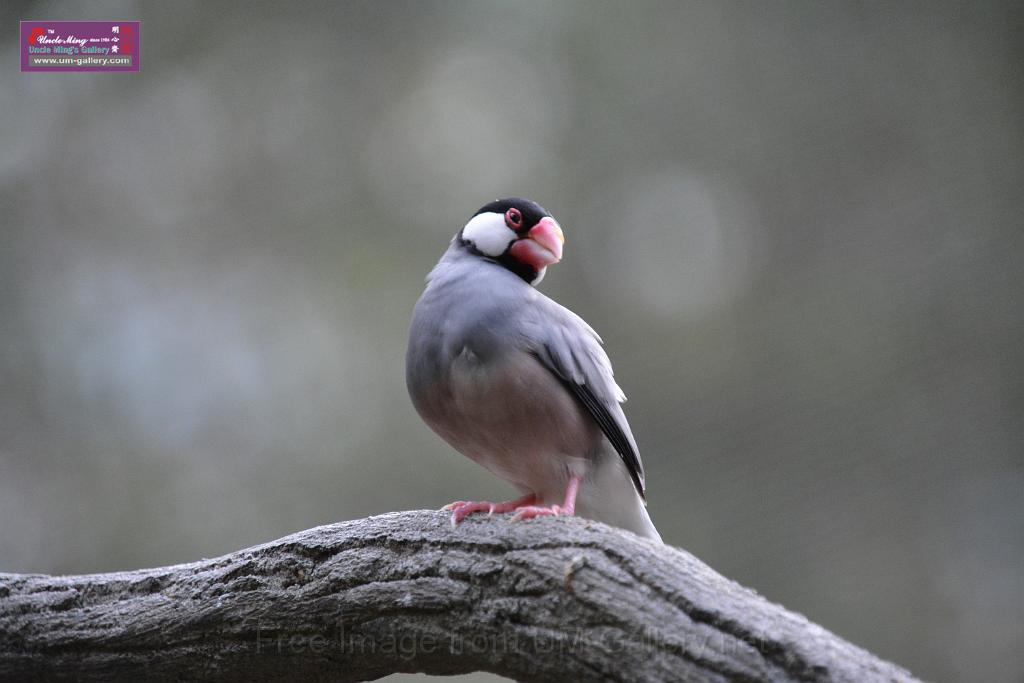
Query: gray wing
{"x":573,"y":351}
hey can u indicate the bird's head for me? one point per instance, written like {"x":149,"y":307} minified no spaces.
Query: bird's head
{"x":516,"y":233}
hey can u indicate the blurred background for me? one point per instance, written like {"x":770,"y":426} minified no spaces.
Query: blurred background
{"x":797,"y":226}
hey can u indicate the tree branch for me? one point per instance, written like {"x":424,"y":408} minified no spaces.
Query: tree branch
{"x":554,"y":599}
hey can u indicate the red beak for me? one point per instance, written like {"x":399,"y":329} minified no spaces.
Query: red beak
{"x":542,"y":246}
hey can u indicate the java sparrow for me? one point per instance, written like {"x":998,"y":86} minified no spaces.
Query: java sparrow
{"x":519,"y":383}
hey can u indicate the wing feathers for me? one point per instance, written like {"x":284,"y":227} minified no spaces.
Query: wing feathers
{"x":571,"y":349}
{"x":610,"y":426}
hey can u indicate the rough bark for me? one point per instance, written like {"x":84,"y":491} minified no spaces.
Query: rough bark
{"x":546,"y":600}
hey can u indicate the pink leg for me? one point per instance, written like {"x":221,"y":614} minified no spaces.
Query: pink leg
{"x":464,"y":508}
{"x":567,"y":508}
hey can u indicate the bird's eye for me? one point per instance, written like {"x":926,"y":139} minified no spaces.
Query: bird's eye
{"x":513,"y":218}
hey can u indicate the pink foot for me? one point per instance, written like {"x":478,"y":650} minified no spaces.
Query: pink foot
{"x":566,"y":508}
{"x":464,"y":508}
{"x":531,"y":511}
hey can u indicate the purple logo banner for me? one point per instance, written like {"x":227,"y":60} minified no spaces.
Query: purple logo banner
{"x":79,"y":46}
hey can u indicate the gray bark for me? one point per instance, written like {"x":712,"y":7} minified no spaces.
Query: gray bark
{"x":555,"y":599}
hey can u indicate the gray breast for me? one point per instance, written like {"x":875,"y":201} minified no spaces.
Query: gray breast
{"x":492,"y":400}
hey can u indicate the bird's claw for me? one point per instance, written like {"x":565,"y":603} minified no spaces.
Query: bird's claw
{"x":531,"y":511}
{"x":464,"y":508}
{"x":461,"y":509}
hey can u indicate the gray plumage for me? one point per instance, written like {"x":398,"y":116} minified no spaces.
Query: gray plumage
{"x":523,"y":386}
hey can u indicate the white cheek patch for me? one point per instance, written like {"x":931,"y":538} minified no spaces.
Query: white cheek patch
{"x":488,"y":233}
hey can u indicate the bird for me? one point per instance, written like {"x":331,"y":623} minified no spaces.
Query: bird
{"x":519,"y":383}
